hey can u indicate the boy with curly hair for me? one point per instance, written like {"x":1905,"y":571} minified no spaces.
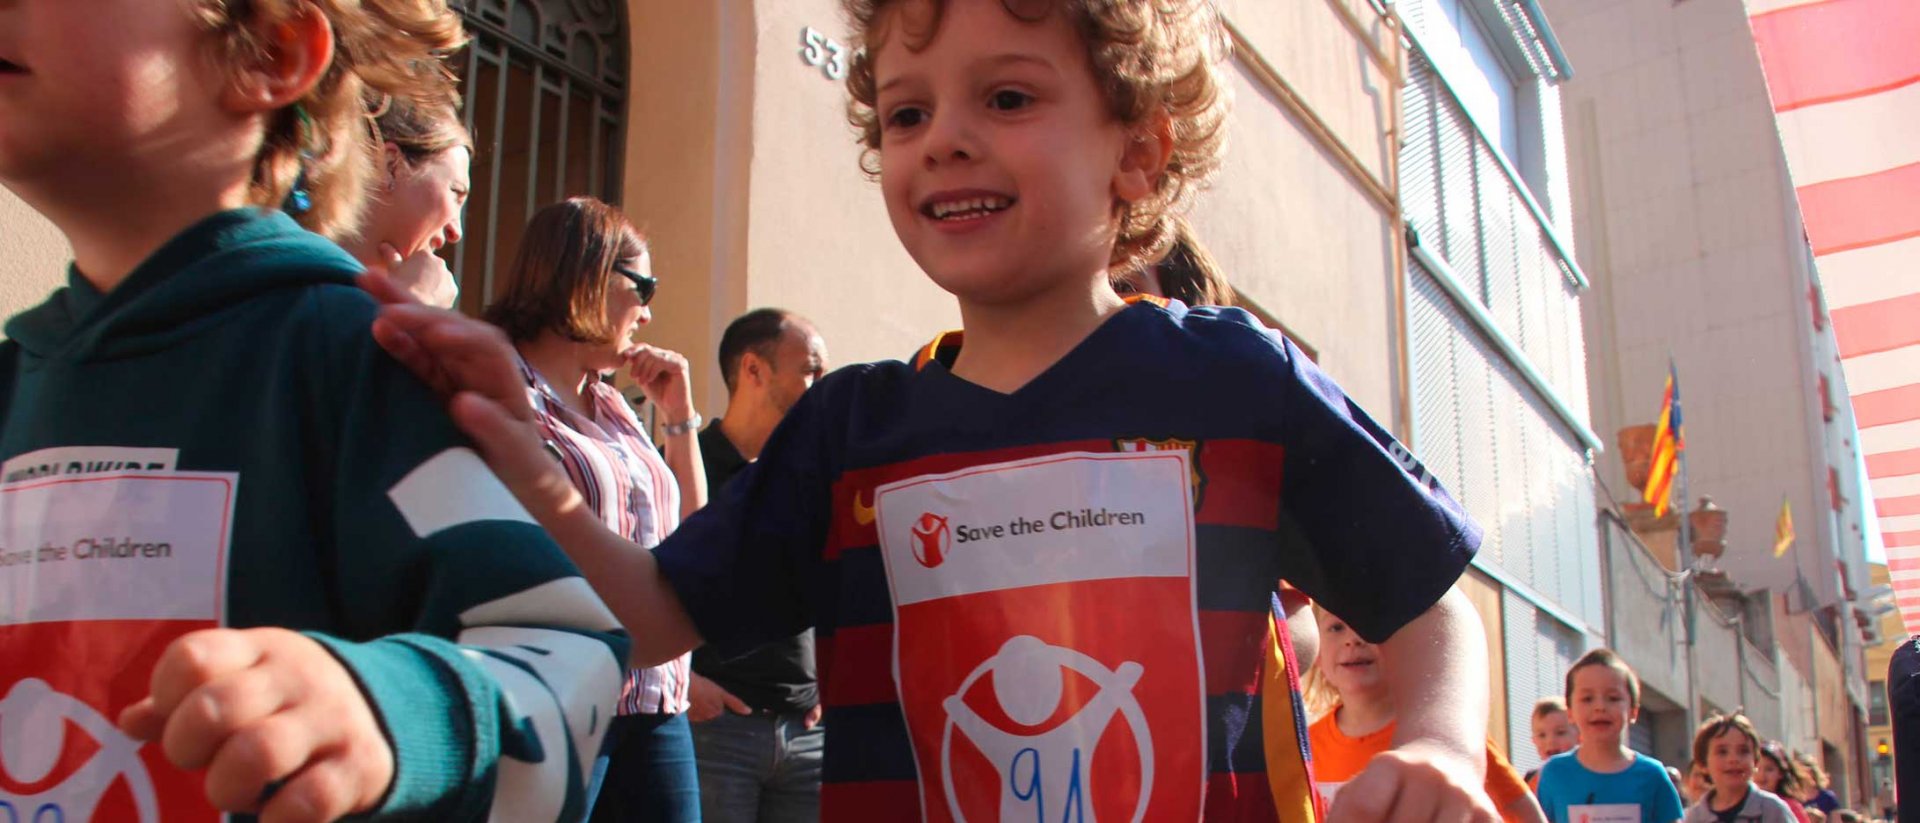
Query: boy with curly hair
{"x":1039,"y":556}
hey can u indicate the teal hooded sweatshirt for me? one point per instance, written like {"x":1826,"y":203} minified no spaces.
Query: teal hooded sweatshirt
{"x":239,"y":357}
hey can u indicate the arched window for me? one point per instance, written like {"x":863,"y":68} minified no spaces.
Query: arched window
{"x":545,"y":86}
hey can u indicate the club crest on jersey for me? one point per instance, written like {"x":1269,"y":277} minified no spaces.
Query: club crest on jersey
{"x":1149,"y":444}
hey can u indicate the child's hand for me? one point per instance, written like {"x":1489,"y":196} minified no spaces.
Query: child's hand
{"x":449,"y":351}
{"x":1414,"y":783}
{"x":473,"y":365}
{"x":266,"y":709}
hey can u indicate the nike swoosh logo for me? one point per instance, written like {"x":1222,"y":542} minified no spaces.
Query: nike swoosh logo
{"x":862,"y":512}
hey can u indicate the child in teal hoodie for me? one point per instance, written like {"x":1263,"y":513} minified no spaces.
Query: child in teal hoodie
{"x":240,"y":549}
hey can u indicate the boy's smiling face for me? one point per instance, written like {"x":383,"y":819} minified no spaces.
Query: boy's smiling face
{"x":1730,"y":759}
{"x":1000,"y":161}
{"x":1602,"y":707}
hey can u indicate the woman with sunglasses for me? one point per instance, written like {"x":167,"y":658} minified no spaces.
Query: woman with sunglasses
{"x":578,"y":292}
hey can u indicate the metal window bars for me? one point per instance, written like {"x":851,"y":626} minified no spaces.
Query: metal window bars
{"x":544,"y":85}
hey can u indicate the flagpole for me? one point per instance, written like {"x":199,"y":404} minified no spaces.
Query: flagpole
{"x":1684,"y":554}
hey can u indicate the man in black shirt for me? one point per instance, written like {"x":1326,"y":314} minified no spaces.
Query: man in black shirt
{"x":757,"y":735}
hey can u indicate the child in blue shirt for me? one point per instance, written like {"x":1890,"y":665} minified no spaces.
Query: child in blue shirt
{"x":1601,"y":780}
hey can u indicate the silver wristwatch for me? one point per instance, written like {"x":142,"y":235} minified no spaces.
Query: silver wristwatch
{"x":688,"y":427}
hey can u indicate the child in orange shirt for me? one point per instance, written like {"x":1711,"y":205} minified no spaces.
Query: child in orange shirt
{"x":1352,"y":673}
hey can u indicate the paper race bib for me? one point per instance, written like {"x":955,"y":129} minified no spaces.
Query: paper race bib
{"x":1604,"y":813}
{"x":98,"y":573}
{"x":1046,"y":639}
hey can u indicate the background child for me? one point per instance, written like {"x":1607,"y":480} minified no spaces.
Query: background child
{"x":1357,"y":720}
{"x":1728,"y":746}
{"x":1603,"y":696}
{"x":1819,"y":795}
{"x":322,"y":602}
{"x":1553,"y":733}
{"x":1775,"y":772}
{"x":1696,"y":784}
{"x":1025,"y":151}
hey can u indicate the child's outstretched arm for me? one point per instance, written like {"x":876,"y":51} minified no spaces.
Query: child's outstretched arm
{"x":471,"y":362}
{"x":1436,"y":768}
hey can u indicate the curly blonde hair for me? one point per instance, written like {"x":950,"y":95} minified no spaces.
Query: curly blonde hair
{"x":383,"y":50}
{"x":1150,"y":58}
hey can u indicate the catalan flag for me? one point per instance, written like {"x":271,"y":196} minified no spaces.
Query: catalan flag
{"x":1669,"y":440}
{"x":1783,"y":529}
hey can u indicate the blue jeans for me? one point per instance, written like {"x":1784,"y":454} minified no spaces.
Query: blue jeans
{"x":646,"y":772}
{"x":759,"y":768}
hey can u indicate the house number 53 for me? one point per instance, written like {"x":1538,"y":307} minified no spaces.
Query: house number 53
{"x":822,"y":51}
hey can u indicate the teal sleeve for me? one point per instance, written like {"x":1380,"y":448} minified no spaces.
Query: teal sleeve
{"x":423,"y":695}
{"x":491,"y":664}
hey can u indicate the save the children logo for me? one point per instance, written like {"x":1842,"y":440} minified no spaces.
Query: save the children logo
{"x":1046,"y":645}
{"x":1046,"y":771}
{"x":36,"y":723}
{"x":931,"y":537}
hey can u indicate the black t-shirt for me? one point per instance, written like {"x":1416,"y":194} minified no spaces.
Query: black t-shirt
{"x":776,"y":677}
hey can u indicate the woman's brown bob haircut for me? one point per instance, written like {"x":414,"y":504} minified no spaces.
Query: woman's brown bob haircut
{"x":560,"y":278}
{"x":1150,"y":58}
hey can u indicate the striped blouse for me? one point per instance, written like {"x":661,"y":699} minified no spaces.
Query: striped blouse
{"x":625,"y":480}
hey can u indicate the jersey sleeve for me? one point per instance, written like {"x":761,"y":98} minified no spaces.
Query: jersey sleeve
{"x":743,"y":565}
{"x":1366,"y":531}
{"x":491,"y":664}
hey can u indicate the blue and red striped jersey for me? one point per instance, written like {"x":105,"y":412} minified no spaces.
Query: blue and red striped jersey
{"x":1054,"y":602}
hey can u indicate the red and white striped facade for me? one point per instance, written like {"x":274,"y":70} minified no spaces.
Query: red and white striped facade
{"x":1844,"y":76}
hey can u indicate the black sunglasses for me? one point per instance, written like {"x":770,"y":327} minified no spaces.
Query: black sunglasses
{"x":645,"y":283}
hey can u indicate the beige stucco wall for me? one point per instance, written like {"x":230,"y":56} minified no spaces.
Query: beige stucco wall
{"x":819,"y":241}
{"x":33,"y":256}
{"x":1307,"y":43}
{"x":1299,"y":239}
{"x":743,"y":168}
{"x":1296,"y":232}
{"x":1688,"y":235}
